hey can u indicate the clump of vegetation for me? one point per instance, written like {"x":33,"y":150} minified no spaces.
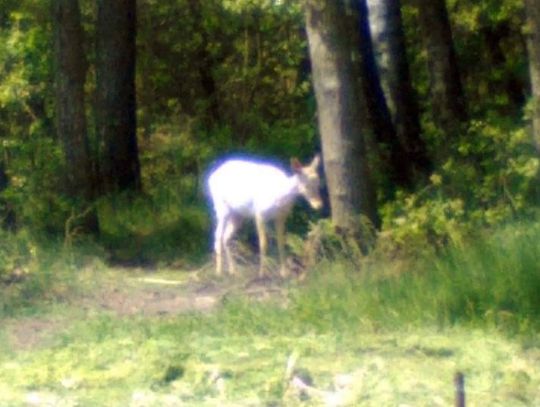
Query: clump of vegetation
{"x":489,"y":278}
{"x":154,"y":230}
{"x":491,"y":179}
{"x":36,"y":271}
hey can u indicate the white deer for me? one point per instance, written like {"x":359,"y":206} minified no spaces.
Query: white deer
{"x":251,"y":189}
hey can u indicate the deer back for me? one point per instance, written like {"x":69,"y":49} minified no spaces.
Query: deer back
{"x":249,"y":187}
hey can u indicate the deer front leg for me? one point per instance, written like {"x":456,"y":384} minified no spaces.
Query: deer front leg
{"x":218,"y":246}
{"x":263,"y":244}
{"x":280,"y":232}
{"x":229,"y":228}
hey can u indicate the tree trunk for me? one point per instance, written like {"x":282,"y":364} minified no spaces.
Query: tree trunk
{"x":389,"y":42}
{"x":70,"y":107}
{"x":378,"y":113}
{"x":447,"y":98}
{"x":8,"y":218}
{"x":205,"y":65}
{"x":342,"y":114}
{"x":115,"y":95}
{"x":533,"y":46}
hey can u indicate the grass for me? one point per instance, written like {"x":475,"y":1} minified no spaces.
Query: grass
{"x":377,"y":336}
{"x":491,"y":281}
{"x":153,"y":229}
{"x":141,"y":361}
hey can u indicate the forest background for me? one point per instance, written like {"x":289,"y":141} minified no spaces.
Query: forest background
{"x":111,"y":115}
{"x":108,"y":126}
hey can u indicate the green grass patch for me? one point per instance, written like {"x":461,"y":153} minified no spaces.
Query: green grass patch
{"x":385,"y":334}
{"x":152,"y":230}
{"x":175,"y":361}
{"x":491,"y":281}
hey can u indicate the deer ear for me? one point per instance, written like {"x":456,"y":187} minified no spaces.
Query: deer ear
{"x":296,"y":165}
{"x":315,"y":162}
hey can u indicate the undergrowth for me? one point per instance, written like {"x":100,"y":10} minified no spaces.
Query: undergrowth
{"x":493,"y":280}
{"x":153,"y":229}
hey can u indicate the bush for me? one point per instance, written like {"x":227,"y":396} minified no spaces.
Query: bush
{"x":153,"y":229}
{"x":36,"y":270}
{"x":18,"y":252}
{"x":492,"y":178}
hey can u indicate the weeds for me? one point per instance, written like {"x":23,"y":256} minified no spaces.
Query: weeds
{"x":492,"y":280}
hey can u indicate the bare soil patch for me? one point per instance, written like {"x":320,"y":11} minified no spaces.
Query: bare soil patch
{"x":146,"y":294}
{"x":149,"y":295}
{"x":27,"y":333}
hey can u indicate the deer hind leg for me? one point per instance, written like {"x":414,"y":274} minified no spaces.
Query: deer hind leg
{"x":231,"y":226}
{"x":218,"y":246}
{"x":280,"y":234}
{"x":263,"y":243}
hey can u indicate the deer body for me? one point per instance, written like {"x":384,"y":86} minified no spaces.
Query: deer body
{"x":243,"y":189}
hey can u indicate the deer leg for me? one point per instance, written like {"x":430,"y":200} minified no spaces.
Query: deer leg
{"x":230,"y":227}
{"x":218,"y":246}
{"x":280,"y":232}
{"x":263,"y":244}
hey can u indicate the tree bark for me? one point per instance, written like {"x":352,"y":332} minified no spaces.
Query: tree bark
{"x":8,"y":218}
{"x":342,"y":113}
{"x":115,"y":95}
{"x":532,"y":8}
{"x":378,"y":113}
{"x":71,"y":123}
{"x":390,"y":47}
{"x":447,"y":98}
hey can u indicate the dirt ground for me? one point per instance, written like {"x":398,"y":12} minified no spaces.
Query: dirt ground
{"x":149,"y":294}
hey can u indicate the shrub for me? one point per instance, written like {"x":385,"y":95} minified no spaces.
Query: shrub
{"x":491,"y":178}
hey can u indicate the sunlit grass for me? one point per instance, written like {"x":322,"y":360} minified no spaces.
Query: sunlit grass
{"x":491,"y":281}
{"x":394,"y":337}
{"x":166,"y":362}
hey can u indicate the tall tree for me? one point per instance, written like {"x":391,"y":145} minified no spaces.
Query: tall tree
{"x":389,"y":42}
{"x":115,"y":95}
{"x":70,"y":107}
{"x":342,"y":113}
{"x":398,"y":165}
{"x":533,"y":45}
{"x":447,"y":98}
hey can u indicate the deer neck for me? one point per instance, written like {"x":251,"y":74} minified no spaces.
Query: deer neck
{"x":292,"y":190}
{"x":287,"y":194}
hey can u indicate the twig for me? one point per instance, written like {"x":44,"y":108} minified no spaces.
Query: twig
{"x":71,"y":232}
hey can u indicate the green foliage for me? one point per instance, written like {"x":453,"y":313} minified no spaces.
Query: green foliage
{"x":490,"y":178}
{"x":32,"y":157}
{"x":323,"y":242}
{"x":494,"y":280}
{"x":219,"y":77}
{"x":416,"y":223}
{"x":489,"y":40}
{"x":17,"y":254}
{"x":488,"y":279}
{"x":153,"y":229}
{"x":35,"y":271}
{"x":34,"y":192}
{"x":228,"y":62}
{"x":127,"y":364}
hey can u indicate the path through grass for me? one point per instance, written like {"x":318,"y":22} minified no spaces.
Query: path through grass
{"x":96,"y":357}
